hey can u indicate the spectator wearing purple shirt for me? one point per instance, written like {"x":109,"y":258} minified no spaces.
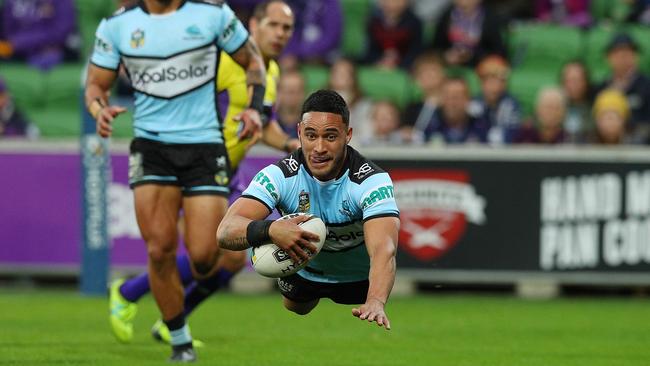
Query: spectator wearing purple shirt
{"x":41,"y":32}
{"x":317,"y":32}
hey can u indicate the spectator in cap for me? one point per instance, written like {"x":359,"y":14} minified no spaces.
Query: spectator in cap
{"x":40,"y":32}
{"x":611,"y":112}
{"x":12,"y":123}
{"x":623,"y":58}
{"x":495,"y":103}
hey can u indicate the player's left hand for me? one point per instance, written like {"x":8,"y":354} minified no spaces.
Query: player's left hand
{"x":373,"y":311}
{"x":252,"y":126}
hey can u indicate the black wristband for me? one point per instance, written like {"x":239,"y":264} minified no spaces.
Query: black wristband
{"x":257,"y":232}
{"x":257,"y":99}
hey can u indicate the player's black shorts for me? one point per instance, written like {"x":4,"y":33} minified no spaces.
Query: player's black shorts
{"x":198,"y":169}
{"x":299,"y":289}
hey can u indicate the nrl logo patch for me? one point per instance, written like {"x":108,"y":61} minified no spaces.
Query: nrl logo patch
{"x":303,"y":202}
{"x":435,"y":207}
{"x":137,"y":38}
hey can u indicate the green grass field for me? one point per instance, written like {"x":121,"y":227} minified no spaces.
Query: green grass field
{"x":63,"y":328}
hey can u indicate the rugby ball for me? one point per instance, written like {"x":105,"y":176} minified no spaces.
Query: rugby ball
{"x":271,"y":261}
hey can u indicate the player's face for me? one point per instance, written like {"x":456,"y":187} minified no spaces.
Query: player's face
{"x":324,"y":138}
{"x":274,"y":30}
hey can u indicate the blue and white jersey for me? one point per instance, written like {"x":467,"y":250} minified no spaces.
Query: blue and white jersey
{"x":172,"y":61}
{"x":362,"y":191}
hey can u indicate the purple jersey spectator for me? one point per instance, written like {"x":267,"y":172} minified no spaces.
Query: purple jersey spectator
{"x":38,"y":30}
{"x":317,"y":31}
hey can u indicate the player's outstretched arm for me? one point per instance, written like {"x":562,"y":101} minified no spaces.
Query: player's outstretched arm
{"x":250,"y":58}
{"x":243,"y":226}
{"x":98,"y":85}
{"x":381,"y":242}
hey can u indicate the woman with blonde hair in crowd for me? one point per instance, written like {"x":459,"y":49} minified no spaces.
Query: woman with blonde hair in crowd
{"x":611,"y":112}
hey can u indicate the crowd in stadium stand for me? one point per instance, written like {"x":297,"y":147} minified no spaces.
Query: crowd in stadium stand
{"x":462,"y":60}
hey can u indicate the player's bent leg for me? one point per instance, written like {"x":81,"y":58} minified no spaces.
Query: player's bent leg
{"x":300,"y":308}
{"x":157,"y":212}
{"x":203,"y":213}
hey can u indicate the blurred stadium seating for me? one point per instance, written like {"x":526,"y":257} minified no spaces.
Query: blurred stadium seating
{"x":538,"y":51}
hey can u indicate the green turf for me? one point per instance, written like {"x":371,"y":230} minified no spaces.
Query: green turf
{"x":63,"y":328}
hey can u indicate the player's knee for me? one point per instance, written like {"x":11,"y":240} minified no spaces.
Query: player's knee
{"x":299,"y":308}
{"x":160,"y":252}
{"x":203,"y":268}
{"x":233,"y":261}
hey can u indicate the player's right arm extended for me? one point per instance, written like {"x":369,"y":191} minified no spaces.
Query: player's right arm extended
{"x":98,"y":85}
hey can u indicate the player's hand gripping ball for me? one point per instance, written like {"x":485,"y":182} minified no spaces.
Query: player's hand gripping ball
{"x":271,"y":261}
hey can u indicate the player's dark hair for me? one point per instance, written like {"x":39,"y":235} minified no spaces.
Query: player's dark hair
{"x":260,"y":9}
{"x":327,"y":101}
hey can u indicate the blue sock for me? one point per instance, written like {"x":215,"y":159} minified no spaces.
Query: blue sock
{"x":134,"y":288}
{"x":198,"y":291}
{"x":179,"y":331}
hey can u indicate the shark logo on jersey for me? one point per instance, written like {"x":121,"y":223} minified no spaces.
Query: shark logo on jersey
{"x":364,"y":170}
{"x":303,"y":202}
{"x":193,"y":32}
{"x":345,"y":208}
{"x":137,"y":38}
{"x":291,"y":163}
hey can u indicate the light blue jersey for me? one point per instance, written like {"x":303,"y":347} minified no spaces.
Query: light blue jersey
{"x":172,"y":61}
{"x":362,"y":192}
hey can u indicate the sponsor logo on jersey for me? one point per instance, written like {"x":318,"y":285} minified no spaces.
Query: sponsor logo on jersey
{"x":229,"y":31}
{"x":364,"y":170}
{"x":291,"y":164}
{"x":137,"y":38}
{"x":136,"y":170}
{"x":435,"y":207}
{"x":102,"y":46}
{"x":343,"y":237}
{"x":303,"y":202}
{"x":376,"y":195}
{"x":264,"y":181}
{"x":284,"y":285}
{"x":167,"y":78}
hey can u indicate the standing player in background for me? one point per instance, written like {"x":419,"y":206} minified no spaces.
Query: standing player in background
{"x":271,"y":27}
{"x":170,"y":50}
{"x":351,"y":194}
